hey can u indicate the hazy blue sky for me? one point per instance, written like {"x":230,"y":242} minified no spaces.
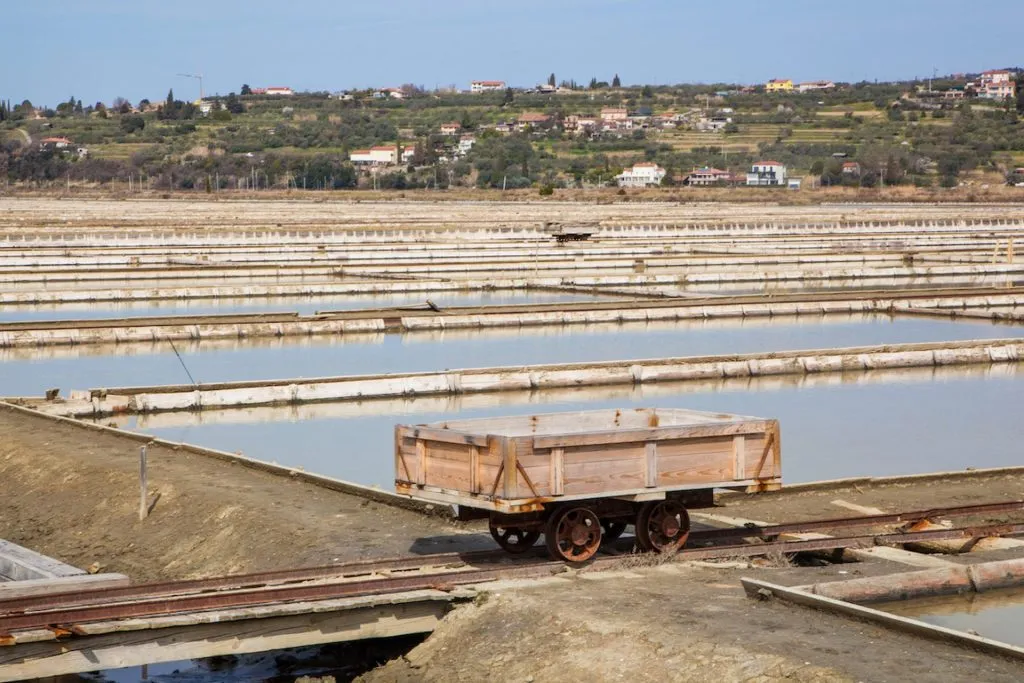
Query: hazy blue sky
{"x":100,"y":49}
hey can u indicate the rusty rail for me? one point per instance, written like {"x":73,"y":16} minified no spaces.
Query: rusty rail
{"x":63,"y":611}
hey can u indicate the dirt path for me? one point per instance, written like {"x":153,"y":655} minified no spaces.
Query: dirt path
{"x":73,"y":494}
{"x":673,"y":623}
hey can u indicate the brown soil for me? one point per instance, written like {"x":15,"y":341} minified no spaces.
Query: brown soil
{"x":74,"y":494}
{"x":794,"y":505}
{"x":673,"y":623}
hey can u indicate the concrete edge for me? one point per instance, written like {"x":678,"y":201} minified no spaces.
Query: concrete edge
{"x":756,"y":589}
{"x":368,"y":492}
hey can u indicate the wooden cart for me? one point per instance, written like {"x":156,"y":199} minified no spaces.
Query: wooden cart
{"x":580,"y":478}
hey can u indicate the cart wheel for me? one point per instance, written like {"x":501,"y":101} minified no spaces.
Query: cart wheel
{"x":662,"y":526}
{"x":612,"y":529}
{"x":514,"y":539}
{"x":573,"y":534}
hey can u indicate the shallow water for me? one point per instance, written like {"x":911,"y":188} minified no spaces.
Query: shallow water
{"x":29,"y":372}
{"x":861,"y":424}
{"x":998,"y":615}
{"x":87,"y":311}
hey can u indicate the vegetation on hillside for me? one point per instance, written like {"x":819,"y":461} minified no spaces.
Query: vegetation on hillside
{"x":898,"y":133}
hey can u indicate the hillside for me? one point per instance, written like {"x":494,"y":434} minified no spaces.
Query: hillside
{"x":892,"y":134}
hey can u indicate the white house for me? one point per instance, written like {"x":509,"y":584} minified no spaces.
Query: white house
{"x":486,"y":86}
{"x":56,"y":143}
{"x":643,"y":174}
{"x":466,"y":143}
{"x":704,"y":177}
{"x":811,"y":86}
{"x":996,"y":85}
{"x":614,"y":114}
{"x":375,"y":156}
{"x":451,"y":128}
{"x":408,"y":153}
{"x":766,"y":174}
{"x":279,"y":91}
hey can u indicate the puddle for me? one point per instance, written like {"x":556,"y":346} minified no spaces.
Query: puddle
{"x":998,"y":615}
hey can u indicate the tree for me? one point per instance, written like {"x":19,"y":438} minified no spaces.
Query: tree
{"x":130,"y":124}
{"x":246,"y":90}
{"x":233,"y":104}
{"x":510,"y":95}
{"x":1020,"y":94}
{"x":593,"y":84}
{"x":551,"y":80}
{"x":646,"y":92}
{"x":616,"y":83}
{"x":121,"y":105}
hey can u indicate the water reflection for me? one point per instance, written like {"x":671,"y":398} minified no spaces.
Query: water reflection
{"x":30,"y":371}
{"x":858,"y":424}
{"x":998,"y":614}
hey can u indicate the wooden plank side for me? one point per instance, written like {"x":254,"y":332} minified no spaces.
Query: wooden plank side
{"x":447,"y":436}
{"x":410,"y":465}
{"x":583,"y":475}
{"x":657,"y":434}
{"x":447,"y":474}
{"x":455,"y":452}
{"x":694,"y":461}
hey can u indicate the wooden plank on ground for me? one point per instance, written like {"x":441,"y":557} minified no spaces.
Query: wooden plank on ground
{"x":124,"y":649}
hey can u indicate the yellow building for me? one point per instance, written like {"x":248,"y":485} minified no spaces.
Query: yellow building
{"x":779,"y":85}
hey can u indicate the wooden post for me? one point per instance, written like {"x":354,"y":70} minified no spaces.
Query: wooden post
{"x":739,"y":454}
{"x":557,"y":482}
{"x":143,"y":485}
{"x":474,"y":469}
{"x":421,"y":462}
{"x":651,"y":463}
{"x":511,"y":483}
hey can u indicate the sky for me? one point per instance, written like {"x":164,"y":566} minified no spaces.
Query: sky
{"x":97,"y":50}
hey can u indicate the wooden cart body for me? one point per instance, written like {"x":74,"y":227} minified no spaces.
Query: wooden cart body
{"x":524,"y":463}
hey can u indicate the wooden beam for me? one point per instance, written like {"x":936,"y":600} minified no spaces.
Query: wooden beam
{"x":739,"y":456}
{"x":557,"y":484}
{"x":61,"y":584}
{"x":421,"y":462}
{"x":19,"y":564}
{"x":447,"y":436}
{"x":651,"y":464}
{"x":654,"y":434}
{"x":134,"y":648}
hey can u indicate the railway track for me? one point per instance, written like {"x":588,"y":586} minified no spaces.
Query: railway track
{"x":63,"y":612}
{"x":505,"y":309}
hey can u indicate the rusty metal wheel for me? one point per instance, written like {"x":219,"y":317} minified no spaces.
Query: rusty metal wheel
{"x":611,"y":529}
{"x":514,"y":539}
{"x":662,"y":526}
{"x":573,"y":534}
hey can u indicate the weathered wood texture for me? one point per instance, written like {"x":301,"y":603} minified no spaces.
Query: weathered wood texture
{"x":199,"y":635}
{"x":541,"y":458}
{"x":21,"y":564}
